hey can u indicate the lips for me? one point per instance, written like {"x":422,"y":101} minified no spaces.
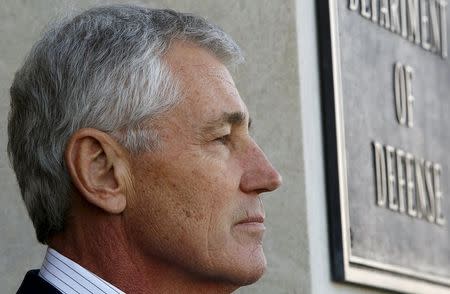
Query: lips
{"x":252,"y":226}
{"x":252,"y":219}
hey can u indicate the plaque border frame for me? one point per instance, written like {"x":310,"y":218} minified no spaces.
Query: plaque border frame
{"x":345,"y":266}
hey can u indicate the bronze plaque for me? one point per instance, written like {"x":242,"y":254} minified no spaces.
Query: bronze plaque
{"x":385,"y":77}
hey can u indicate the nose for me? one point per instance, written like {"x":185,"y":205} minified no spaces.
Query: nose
{"x":259,"y":175}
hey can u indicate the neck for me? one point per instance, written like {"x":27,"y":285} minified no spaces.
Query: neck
{"x":98,"y":243}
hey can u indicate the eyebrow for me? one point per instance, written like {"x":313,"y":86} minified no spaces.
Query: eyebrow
{"x":231,"y":118}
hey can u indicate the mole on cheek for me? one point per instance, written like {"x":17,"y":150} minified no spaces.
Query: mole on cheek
{"x":187,"y":213}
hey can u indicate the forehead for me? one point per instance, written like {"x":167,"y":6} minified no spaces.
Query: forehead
{"x":207,"y":85}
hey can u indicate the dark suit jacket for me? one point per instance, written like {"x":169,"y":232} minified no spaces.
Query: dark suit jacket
{"x":33,"y":284}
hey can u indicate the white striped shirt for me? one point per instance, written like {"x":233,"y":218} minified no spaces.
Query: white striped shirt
{"x":71,"y":278}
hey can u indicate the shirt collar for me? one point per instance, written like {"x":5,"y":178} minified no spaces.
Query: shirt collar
{"x":71,"y":278}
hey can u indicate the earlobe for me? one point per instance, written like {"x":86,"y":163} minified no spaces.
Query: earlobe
{"x":98,"y":167}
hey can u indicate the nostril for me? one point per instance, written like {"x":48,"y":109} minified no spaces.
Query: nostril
{"x":276,"y":182}
{"x":260,"y":191}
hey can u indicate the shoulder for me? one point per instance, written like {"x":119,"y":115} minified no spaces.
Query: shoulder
{"x":33,"y":283}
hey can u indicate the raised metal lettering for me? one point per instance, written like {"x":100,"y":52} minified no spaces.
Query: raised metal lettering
{"x":400,"y":93}
{"x":384,"y":14}
{"x":423,"y":22}
{"x":424,"y":25}
{"x":395,"y":17}
{"x":390,"y":172}
{"x":401,"y":181}
{"x":409,"y":71}
{"x":353,"y":4}
{"x":420,"y":188}
{"x":431,"y":213}
{"x":437,"y":170}
{"x":365,"y":9}
{"x":410,"y":184}
{"x":413,"y":21}
{"x":435,"y":27}
{"x":374,"y":8}
{"x":380,"y":173}
{"x":443,"y":14}
{"x":403,"y":18}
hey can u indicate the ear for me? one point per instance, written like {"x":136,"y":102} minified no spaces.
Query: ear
{"x":99,"y":169}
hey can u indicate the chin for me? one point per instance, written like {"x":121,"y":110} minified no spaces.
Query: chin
{"x":252,"y":277}
{"x":247,"y":270}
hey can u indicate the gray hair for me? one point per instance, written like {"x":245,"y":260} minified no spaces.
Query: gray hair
{"x":101,"y":69}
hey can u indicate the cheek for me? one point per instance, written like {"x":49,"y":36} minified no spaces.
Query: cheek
{"x":184,"y":209}
{"x":180,"y":202}
{"x":165,"y":220}
{"x":171,"y":197}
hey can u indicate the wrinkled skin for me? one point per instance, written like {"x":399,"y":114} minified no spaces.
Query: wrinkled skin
{"x":199,"y":185}
{"x":186,"y":217}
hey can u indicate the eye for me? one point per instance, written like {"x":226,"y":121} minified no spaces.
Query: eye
{"x":223,"y":140}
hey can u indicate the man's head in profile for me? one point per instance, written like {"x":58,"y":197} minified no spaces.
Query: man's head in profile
{"x":132,"y":151}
